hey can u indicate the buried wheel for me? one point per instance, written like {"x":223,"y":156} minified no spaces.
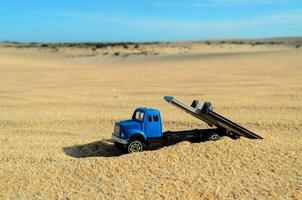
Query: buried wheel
{"x":214,"y":137}
{"x":135,"y":145}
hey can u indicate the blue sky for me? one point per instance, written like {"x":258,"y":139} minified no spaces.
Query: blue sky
{"x":142,"y":20}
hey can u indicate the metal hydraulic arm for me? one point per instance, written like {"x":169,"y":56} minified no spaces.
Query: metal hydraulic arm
{"x":212,"y":118}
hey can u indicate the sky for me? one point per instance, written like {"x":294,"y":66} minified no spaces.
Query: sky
{"x":147,"y":20}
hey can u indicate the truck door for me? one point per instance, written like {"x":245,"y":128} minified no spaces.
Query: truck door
{"x":153,"y":126}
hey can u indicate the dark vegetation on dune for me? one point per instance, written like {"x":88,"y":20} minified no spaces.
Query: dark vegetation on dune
{"x":93,"y":45}
{"x":295,"y":42}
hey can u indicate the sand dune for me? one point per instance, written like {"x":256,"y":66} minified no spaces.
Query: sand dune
{"x":58,"y":107}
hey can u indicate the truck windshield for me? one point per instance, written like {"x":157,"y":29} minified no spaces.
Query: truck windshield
{"x":138,"y":115}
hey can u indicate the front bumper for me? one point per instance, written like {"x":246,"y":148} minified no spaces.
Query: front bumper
{"x":119,"y":140}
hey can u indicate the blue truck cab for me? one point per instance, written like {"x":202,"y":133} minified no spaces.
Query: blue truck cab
{"x":134,"y":133}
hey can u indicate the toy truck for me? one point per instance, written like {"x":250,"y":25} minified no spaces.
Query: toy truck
{"x":145,"y":127}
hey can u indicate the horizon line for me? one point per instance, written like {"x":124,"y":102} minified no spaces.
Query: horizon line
{"x":153,"y":41}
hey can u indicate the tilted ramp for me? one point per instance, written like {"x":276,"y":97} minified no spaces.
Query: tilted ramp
{"x":212,"y":118}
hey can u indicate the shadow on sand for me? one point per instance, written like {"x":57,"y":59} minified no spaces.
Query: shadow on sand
{"x":102,"y":148}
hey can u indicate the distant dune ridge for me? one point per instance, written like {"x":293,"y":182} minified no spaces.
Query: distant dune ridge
{"x":59,"y":102}
{"x":126,"y":49}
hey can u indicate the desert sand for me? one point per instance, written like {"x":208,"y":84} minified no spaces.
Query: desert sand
{"x":58,"y":105}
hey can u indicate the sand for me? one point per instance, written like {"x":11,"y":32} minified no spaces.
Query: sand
{"x":58,"y":108}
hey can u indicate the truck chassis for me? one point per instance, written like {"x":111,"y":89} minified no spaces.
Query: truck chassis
{"x":195,"y":135}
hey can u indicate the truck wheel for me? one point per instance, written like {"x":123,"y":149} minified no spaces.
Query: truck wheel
{"x":119,"y":146}
{"x":214,"y":137}
{"x":135,"y":145}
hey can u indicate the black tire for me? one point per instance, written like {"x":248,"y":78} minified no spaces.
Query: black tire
{"x":135,"y":145}
{"x":213,"y":137}
{"x":119,"y":146}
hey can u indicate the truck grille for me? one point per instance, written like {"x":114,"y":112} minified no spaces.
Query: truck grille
{"x":117,"y":129}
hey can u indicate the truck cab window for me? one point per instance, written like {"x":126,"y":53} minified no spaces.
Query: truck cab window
{"x":138,"y":115}
{"x":149,"y":118}
{"x":155,"y":118}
